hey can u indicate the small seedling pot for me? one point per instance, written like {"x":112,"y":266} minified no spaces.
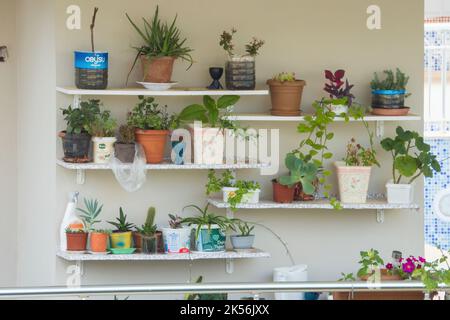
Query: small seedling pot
{"x":99,"y":242}
{"x":177,"y":240}
{"x":103,"y":149}
{"x":210,"y":239}
{"x":251,"y":197}
{"x":353,"y":183}
{"x":286,"y":97}
{"x":283,"y":194}
{"x":400,"y":193}
{"x":121,"y":240}
{"x":242,"y":242}
{"x":240,"y":73}
{"x":137,"y":241}
{"x":125,"y":152}
{"x":150,"y":244}
{"x":76,"y":241}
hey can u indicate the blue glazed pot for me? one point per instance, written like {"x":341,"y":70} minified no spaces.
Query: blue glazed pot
{"x":91,"y":70}
{"x":388,"y":99}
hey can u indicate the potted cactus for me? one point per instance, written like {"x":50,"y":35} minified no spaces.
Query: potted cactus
{"x":388,"y":95}
{"x":121,"y":237}
{"x":102,"y":129}
{"x":150,"y":238}
{"x":412,"y":158}
{"x":240,"y":69}
{"x":286,"y":94}
{"x":125,"y":147}
{"x":245,"y":239}
{"x":177,"y":238}
{"x":341,"y":98}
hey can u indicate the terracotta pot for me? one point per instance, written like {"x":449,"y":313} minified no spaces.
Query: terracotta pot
{"x":99,"y":242}
{"x":76,"y":241}
{"x":380,"y":295}
{"x":286,"y":97}
{"x":154,"y":144}
{"x":137,"y":239}
{"x":157,"y":70}
{"x":125,"y":152}
{"x":282,"y":194}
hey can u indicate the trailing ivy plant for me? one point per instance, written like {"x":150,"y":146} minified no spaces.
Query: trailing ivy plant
{"x":412,"y":157}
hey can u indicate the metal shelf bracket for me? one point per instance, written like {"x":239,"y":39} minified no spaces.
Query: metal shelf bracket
{"x":380,"y":129}
{"x":81,"y":176}
{"x":229,"y":264}
{"x":380,"y":215}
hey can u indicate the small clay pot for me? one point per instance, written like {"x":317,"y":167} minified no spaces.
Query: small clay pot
{"x":286,"y":97}
{"x":154,"y":144}
{"x":76,"y":241}
{"x":282,"y":194}
{"x":125,"y":152}
{"x":157,"y":70}
{"x":137,"y":239}
{"x":99,"y":242}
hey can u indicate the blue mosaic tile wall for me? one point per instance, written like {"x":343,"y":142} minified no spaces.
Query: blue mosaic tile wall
{"x":434,"y":58}
{"x":437,"y":232}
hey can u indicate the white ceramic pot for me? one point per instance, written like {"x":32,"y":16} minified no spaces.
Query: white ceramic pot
{"x":338,"y":108}
{"x":177,"y":240}
{"x":208,"y":145}
{"x":251,"y":197}
{"x":400,"y":193}
{"x":103,"y":149}
{"x":353,"y":183}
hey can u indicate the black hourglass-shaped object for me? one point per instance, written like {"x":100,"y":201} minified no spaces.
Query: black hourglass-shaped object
{"x":216,"y":74}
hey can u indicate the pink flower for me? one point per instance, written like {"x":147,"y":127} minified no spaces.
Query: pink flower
{"x":422,"y":260}
{"x":408,"y":267}
{"x":389,"y":266}
{"x":400,"y":260}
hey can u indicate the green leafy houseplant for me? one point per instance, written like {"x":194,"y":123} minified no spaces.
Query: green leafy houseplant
{"x":300,"y":172}
{"x":90,"y":213}
{"x":393,"y":81}
{"x":103,"y":125}
{"x":127,"y":134}
{"x":245,"y":229}
{"x":121,"y":224}
{"x":251,"y":49}
{"x":148,"y":115}
{"x":412,"y":157}
{"x":78,"y":119}
{"x":207,"y":219}
{"x":149,"y":228}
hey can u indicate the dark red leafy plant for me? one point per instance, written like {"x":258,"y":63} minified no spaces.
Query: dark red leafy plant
{"x":337,"y":88}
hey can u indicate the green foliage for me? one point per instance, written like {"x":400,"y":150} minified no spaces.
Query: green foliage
{"x":122,"y":225}
{"x":175,"y":221}
{"x":211,"y":113}
{"x":207,"y":219}
{"x":285,"y":77}
{"x":370,"y":260}
{"x":162,"y":39}
{"x":244,"y":228}
{"x":149,"y":228}
{"x":347,"y":277}
{"x":78,"y":119}
{"x":102,"y":231}
{"x":206,"y":296}
{"x":300,"y":172}
{"x":127,"y":134}
{"x":91,"y":213}
{"x":103,"y":125}
{"x":432,"y":274}
{"x":71,"y":231}
{"x":252,"y":48}
{"x":412,"y":156}
{"x":148,"y":115}
{"x":397,"y":81}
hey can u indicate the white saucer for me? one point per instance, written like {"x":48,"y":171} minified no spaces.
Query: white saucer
{"x":157,"y":86}
{"x":99,"y":253}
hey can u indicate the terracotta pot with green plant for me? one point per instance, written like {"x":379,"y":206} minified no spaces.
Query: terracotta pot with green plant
{"x":286,"y":93}
{"x":76,"y":240}
{"x":98,"y":239}
{"x":149,"y":236}
{"x":152,"y":125}
{"x":163,"y":44}
{"x":102,"y":129}
{"x":122,"y":236}
{"x":412,"y":158}
{"x":76,"y":139}
{"x":125,"y":147}
{"x":209,"y":229}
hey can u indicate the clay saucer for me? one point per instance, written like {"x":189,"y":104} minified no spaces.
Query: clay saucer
{"x":390,"y":112}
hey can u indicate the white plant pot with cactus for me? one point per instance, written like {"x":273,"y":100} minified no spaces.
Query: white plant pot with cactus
{"x":400,"y":193}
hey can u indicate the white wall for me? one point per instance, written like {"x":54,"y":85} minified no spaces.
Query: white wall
{"x":437,"y":8}
{"x":303,"y":36}
{"x":8,"y":153}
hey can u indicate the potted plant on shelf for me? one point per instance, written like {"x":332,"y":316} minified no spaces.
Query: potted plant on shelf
{"x":163,"y":44}
{"x":240,"y":69}
{"x":150,"y":239}
{"x":286,"y":94}
{"x":341,"y":98}
{"x":234,"y":192}
{"x":412,"y":158}
{"x":91,"y":67}
{"x":125,"y":147}
{"x":245,"y":239}
{"x":210,"y":123}
{"x":76,"y":140}
{"x":209,"y":229}
{"x":76,"y":240}
{"x":177,"y":238}
{"x":121,"y":237}
{"x":102,"y":129}
{"x":388,"y":95}
{"x":152,"y":125}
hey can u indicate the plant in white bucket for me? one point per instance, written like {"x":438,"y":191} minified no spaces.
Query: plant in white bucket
{"x":412,"y":158}
{"x":210,"y":229}
{"x":341,"y":98}
{"x":234,"y":192}
{"x":177,"y":238}
{"x":210,"y":122}
{"x":102,"y":129}
{"x":245,"y":239}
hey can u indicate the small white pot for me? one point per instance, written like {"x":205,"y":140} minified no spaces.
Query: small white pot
{"x":251,"y":197}
{"x":338,"y":108}
{"x":400,"y":193}
{"x":353,"y":183}
{"x":103,"y":149}
{"x":177,"y":240}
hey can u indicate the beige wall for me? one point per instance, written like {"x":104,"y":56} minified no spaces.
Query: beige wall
{"x":8,"y":155}
{"x":303,"y":36}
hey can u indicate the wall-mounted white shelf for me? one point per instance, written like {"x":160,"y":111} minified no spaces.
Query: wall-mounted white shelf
{"x":228,"y":256}
{"x":378,"y":204}
{"x":82,"y":167}
{"x":181,"y":92}
{"x":271,"y":118}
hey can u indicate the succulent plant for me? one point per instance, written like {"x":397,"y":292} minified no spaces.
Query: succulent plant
{"x":285,"y":77}
{"x":122,"y":225}
{"x":91,"y":213}
{"x":300,"y":172}
{"x":149,"y":228}
{"x":175,"y":221}
{"x":397,"y":81}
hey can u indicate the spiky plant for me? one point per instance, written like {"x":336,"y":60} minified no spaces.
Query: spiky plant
{"x":149,"y":228}
{"x":397,"y":81}
{"x":207,"y":219}
{"x":122,"y":225}
{"x":175,"y":221}
{"x":91,"y":213}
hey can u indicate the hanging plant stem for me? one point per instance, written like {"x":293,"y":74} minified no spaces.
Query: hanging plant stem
{"x":92,"y":28}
